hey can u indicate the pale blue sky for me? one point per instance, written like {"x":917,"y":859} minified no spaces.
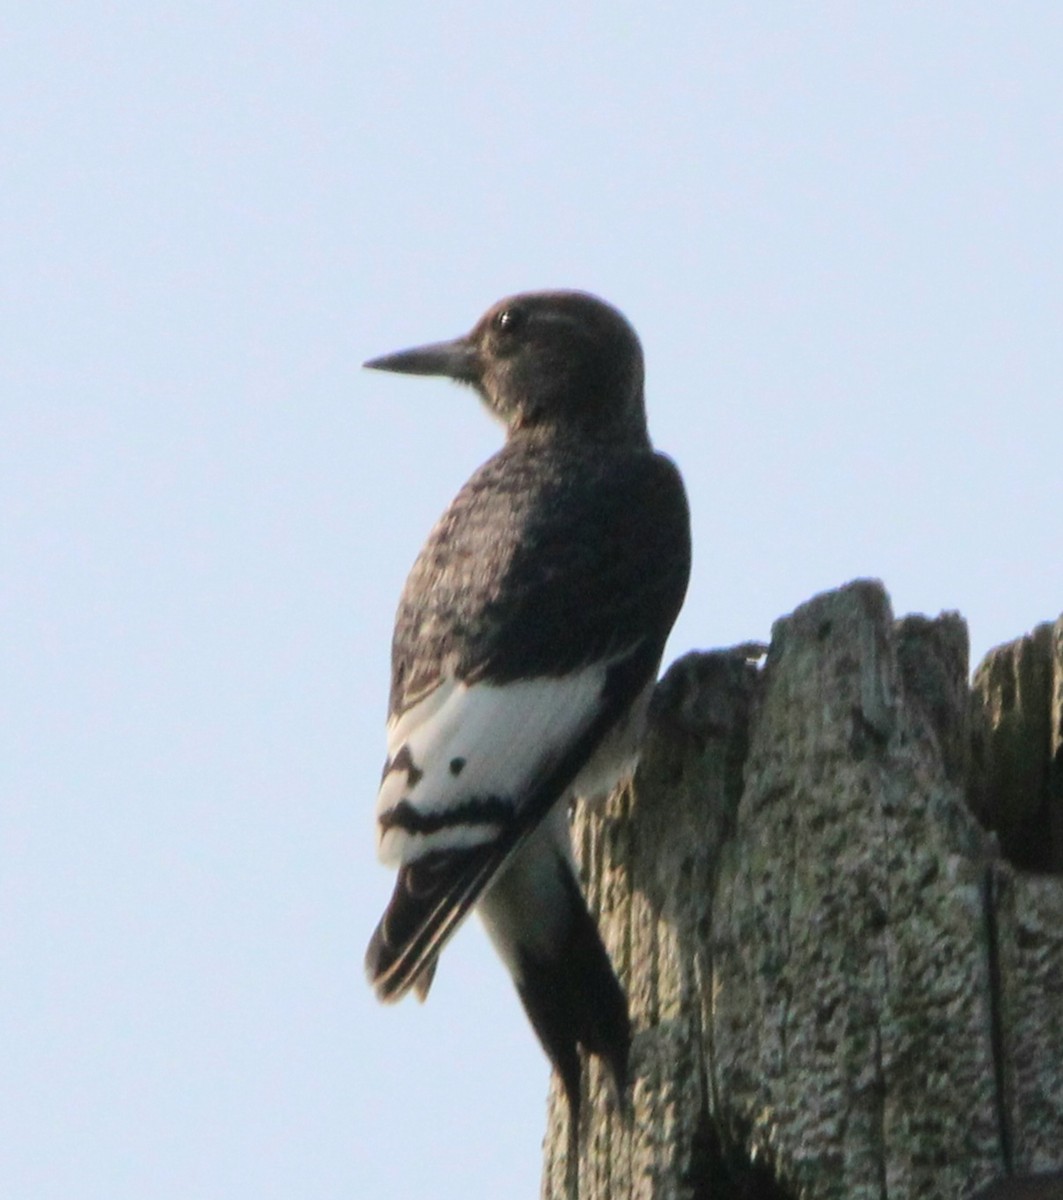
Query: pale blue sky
{"x":839,"y":230}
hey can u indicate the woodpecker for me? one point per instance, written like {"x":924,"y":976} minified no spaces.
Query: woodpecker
{"x":527,"y":644}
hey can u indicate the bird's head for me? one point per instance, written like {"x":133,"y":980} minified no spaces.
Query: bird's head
{"x":552,"y":361}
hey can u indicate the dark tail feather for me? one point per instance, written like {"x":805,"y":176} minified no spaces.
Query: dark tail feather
{"x":431,"y":897}
{"x":575,"y":999}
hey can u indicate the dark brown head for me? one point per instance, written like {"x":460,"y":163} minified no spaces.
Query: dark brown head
{"x":556,"y":361}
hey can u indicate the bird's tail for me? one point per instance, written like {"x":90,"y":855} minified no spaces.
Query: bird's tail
{"x":536,"y":916}
{"x":538,"y":920}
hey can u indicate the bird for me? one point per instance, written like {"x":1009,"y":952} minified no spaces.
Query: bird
{"x":527,"y":643}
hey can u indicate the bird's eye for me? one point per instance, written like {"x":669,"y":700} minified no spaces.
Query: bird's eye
{"x":509,"y":320}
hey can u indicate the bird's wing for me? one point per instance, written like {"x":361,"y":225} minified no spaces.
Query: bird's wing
{"x":473,"y":770}
{"x":462,"y":760}
{"x":513,"y":659}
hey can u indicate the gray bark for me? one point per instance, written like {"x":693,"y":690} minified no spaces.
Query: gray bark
{"x":840,"y":986}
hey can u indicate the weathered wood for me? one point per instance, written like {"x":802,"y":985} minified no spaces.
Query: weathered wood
{"x":1029,"y":1187}
{"x":838,"y":988}
{"x":647,"y":860}
{"x":1017,"y":786}
{"x":1029,"y":922}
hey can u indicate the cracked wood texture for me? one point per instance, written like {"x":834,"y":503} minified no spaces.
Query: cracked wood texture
{"x":841,"y":988}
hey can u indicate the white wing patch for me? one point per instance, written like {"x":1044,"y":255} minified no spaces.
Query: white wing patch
{"x":463,"y":758}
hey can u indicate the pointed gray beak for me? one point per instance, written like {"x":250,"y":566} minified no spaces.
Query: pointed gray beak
{"x":456,"y":360}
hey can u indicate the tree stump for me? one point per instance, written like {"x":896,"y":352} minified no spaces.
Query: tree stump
{"x":841,"y":988}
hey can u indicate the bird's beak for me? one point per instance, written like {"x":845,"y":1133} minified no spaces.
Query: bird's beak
{"x":456,"y":360}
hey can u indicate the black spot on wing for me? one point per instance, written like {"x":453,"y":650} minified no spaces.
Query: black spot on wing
{"x":486,"y":810}
{"x":403,"y":761}
{"x":457,"y":765}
